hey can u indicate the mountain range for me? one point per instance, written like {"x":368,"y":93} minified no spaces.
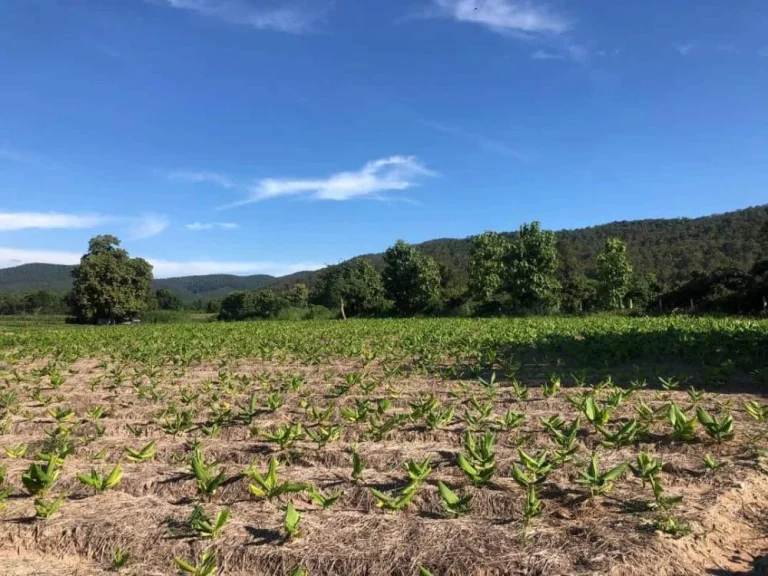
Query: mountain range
{"x":672,"y":249}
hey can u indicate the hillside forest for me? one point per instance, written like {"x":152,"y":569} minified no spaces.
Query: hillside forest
{"x":716,"y":264}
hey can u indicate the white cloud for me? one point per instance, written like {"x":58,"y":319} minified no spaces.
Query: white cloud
{"x":546,"y":55}
{"x":161,"y":268}
{"x":24,"y":220}
{"x":516,"y":16}
{"x":148,"y":225}
{"x":386,"y":174}
{"x":201,"y":226}
{"x":295,"y":17}
{"x":201,"y":177}
{"x":479,"y":139}
{"x":684,"y":49}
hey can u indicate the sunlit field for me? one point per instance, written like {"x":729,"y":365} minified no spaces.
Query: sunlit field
{"x":604,"y":445}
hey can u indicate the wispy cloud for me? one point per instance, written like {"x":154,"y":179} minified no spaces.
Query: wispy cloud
{"x":200,"y":176}
{"x":386,"y":174}
{"x":684,"y":49}
{"x":10,"y":221}
{"x":503,"y":16}
{"x":147,"y":226}
{"x":763,"y":52}
{"x":161,"y":268}
{"x":295,"y":17}
{"x":546,"y":55}
{"x":202,"y":226}
{"x":478,"y":139}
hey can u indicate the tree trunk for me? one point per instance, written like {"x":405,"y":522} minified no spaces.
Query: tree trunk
{"x":341,"y":301}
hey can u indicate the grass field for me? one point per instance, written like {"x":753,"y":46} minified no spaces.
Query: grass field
{"x":456,"y":447}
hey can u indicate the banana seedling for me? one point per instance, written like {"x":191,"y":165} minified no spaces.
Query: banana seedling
{"x":39,"y":478}
{"x":418,"y":471}
{"x":480,"y":462}
{"x":45,"y":509}
{"x":549,"y":389}
{"x":321,"y":499}
{"x":379,"y":429}
{"x":148,"y":452}
{"x":599,"y":483}
{"x":16,"y":451}
{"x":358,"y":465}
{"x":453,"y":504}
{"x":99,"y":482}
{"x":120,"y":558}
{"x":205,"y":566}
{"x":711,"y":464}
{"x":565,"y":438}
{"x":291,"y":521}
{"x":267,"y":486}
{"x":683,"y":428}
{"x":285,"y":436}
{"x":358,"y":413}
{"x":437,"y":417}
{"x":205,"y":526}
{"x":522,"y":392}
{"x":399,"y":500}
{"x":719,"y":429}
{"x":321,"y":416}
{"x":757,"y":411}
{"x":208,"y":482}
{"x":596,"y":414}
{"x":533,"y":470}
{"x":323,"y":436}
{"x":647,"y":467}
{"x":61,"y":414}
{"x":511,"y":420}
{"x":623,"y":436}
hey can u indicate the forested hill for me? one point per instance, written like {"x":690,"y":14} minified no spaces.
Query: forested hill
{"x":671,"y":248}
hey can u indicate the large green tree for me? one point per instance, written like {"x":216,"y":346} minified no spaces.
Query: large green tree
{"x":354,"y":287}
{"x":167,"y":299}
{"x":486,"y":265}
{"x":411,"y":279}
{"x":614,"y":273}
{"x":532,"y":263}
{"x":109,"y":284}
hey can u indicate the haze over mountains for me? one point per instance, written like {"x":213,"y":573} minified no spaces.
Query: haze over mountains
{"x":673,"y":249}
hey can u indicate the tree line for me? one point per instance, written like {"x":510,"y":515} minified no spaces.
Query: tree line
{"x":532,"y":272}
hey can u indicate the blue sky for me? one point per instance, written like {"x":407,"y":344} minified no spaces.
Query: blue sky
{"x":254,"y":136}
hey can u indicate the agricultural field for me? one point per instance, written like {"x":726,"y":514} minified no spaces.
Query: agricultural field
{"x":542,"y":446}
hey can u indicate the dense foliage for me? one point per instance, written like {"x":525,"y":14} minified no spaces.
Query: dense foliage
{"x":109,"y":284}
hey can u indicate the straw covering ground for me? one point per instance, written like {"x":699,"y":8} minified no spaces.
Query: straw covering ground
{"x":447,"y":447}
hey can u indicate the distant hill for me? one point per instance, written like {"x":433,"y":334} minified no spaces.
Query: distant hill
{"x":673,"y":249}
{"x":58,"y":278}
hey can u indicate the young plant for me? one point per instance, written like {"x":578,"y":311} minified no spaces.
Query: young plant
{"x":533,"y":470}
{"x":711,"y":464}
{"x":599,"y":482}
{"x":565,"y":438}
{"x":522,"y":392}
{"x":757,"y":411}
{"x":16,"y":451}
{"x":285,"y":436}
{"x":148,"y":452}
{"x":321,"y":499}
{"x":291,"y":521}
{"x":437,"y":417}
{"x":719,"y":429}
{"x":358,"y":465}
{"x":323,"y":436}
{"x":683,"y":428}
{"x":418,"y":471}
{"x":205,"y":526}
{"x":479,"y":464}
{"x":399,"y":499}
{"x":596,"y":414}
{"x":208,"y":482}
{"x":266,"y":486}
{"x":549,"y":389}
{"x":623,"y":436}
{"x":453,"y":504}
{"x":39,"y":478}
{"x":206,"y":566}
{"x":379,"y":429}
{"x":120,"y":558}
{"x":511,"y":420}
{"x":99,"y":482}
{"x":531,"y":509}
{"x":46,"y":509}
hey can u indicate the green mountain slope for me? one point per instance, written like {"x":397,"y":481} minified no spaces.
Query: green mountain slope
{"x":671,"y":248}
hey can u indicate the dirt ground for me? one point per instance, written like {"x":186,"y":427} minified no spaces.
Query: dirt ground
{"x":145,"y":514}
